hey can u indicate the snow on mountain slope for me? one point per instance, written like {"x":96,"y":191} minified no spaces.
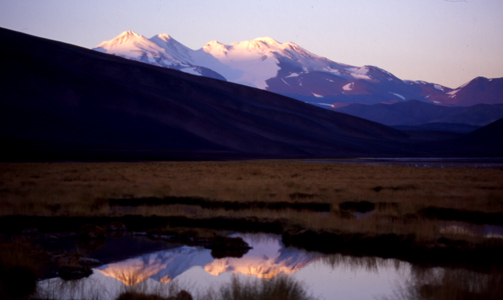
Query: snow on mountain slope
{"x":160,"y":50}
{"x":134,"y":46}
{"x":490,"y":91}
{"x":173,"y":47}
{"x":288,"y":69}
{"x":249,"y":62}
{"x":256,"y":61}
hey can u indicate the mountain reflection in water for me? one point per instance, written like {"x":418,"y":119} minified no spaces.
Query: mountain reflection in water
{"x":267,"y":259}
{"x":324,"y":276}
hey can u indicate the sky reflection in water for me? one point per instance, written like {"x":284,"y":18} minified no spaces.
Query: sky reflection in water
{"x":325,"y":276}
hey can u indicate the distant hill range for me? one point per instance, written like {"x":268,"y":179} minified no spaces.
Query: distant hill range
{"x":288,"y":69}
{"x":417,"y":115}
{"x":62,"y":102}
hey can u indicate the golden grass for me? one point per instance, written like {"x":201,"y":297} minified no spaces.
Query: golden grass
{"x":83,"y":189}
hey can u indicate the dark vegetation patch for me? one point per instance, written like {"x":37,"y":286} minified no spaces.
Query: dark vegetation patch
{"x":133,"y":295}
{"x":490,"y":188}
{"x":361,"y":207}
{"x":281,"y":287}
{"x":17,"y":282}
{"x":387,"y":205}
{"x":74,"y":272}
{"x":228,"y":205}
{"x":198,"y":232}
{"x":221,"y":246}
{"x":407,"y":187}
{"x":295,"y":196}
{"x":350,"y":209}
{"x":228,"y":247}
{"x":16,"y":224}
{"x":19,"y":269}
{"x":462,"y":215}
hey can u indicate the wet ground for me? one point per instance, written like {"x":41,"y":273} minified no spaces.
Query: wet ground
{"x":325,"y":276}
{"x":432,"y":162}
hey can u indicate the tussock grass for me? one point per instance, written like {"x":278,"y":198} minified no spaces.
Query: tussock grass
{"x":278,"y":288}
{"x":399,"y":192}
{"x":83,"y":188}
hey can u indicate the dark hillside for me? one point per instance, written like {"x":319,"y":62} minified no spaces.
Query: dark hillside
{"x":65,"y":102}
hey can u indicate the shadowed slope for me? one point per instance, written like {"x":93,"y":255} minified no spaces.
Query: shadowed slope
{"x":416,"y":112}
{"x":487,"y":140}
{"x":483,"y":142}
{"x":63,"y":99}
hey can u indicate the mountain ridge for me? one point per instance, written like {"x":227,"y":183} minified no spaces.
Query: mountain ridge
{"x":63,"y":102}
{"x":416,"y":112}
{"x":288,"y":69}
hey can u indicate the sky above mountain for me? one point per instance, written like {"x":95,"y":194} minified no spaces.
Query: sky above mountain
{"x":443,"y":41}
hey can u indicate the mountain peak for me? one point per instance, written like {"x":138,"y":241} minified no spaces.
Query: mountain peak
{"x":172,"y":47}
{"x":128,"y":33}
{"x":123,"y":38}
{"x":165,"y":37}
{"x":289,"y":69}
{"x":215,"y":46}
{"x":214,"y":43}
{"x":268,"y":40}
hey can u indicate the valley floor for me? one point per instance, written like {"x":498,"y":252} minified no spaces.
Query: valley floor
{"x":448,"y":215}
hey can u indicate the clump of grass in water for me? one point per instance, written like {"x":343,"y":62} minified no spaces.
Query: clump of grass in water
{"x":279,"y":288}
{"x":182,"y":295}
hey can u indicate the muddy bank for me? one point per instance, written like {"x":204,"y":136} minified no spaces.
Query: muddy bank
{"x":461,"y":215}
{"x":440,"y":252}
{"x":18,"y":224}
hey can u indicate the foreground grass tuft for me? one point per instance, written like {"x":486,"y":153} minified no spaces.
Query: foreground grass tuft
{"x":279,"y":288}
{"x":182,"y":295}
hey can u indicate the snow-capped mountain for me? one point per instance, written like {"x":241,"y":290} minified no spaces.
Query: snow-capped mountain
{"x":161,"y":51}
{"x":478,"y":90}
{"x":288,"y":69}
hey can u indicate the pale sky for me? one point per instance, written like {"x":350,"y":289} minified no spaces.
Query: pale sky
{"x":443,"y":41}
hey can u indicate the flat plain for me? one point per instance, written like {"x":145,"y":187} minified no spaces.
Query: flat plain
{"x":401,"y":195}
{"x":431,"y":217}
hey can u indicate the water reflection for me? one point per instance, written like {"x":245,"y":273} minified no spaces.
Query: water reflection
{"x":162,"y":266}
{"x":326,"y":276}
{"x":438,"y":283}
{"x":470,"y":229}
{"x":267,"y":259}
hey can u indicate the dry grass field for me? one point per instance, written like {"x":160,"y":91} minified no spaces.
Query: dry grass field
{"x":400,"y":193}
{"x":428,"y":216}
